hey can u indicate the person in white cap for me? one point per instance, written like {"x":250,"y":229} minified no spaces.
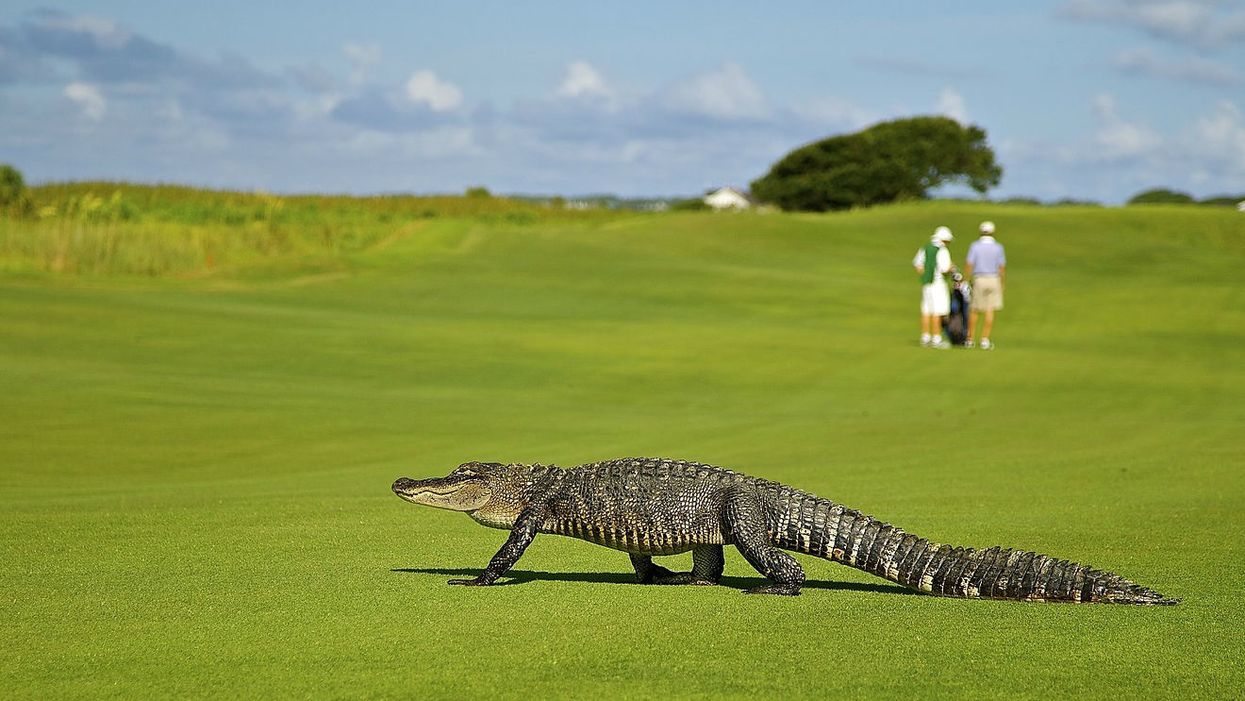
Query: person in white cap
{"x":987,"y":266}
{"x":932,"y":261}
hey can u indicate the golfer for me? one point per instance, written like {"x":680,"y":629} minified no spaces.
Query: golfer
{"x":986,"y":265}
{"x":932,"y":261}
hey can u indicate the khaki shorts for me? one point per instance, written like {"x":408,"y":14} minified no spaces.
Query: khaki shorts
{"x":987,"y":293}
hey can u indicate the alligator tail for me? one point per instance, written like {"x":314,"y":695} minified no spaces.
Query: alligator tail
{"x":847,"y":536}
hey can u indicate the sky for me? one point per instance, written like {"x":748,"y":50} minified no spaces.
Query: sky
{"x":1080,"y":99}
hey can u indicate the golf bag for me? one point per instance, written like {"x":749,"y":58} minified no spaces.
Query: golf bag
{"x":955,"y":324}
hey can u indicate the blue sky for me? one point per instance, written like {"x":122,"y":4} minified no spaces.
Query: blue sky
{"x":1081,"y":99}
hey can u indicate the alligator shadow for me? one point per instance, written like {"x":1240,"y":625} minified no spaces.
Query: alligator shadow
{"x":524,"y":576}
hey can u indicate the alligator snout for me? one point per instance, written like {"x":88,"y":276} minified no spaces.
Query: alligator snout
{"x":403,"y":484}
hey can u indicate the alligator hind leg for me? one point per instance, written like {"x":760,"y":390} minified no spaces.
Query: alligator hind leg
{"x":707,"y":562}
{"x":746,"y":524}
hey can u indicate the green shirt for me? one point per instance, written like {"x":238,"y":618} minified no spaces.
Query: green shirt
{"x":931,"y":263}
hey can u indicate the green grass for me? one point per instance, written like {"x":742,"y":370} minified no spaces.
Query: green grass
{"x":194,"y":471}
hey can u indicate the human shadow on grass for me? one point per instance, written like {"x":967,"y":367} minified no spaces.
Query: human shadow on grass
{"x":525,"y":576}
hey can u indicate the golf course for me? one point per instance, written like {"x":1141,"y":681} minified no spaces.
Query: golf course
{"x":196,"y":449}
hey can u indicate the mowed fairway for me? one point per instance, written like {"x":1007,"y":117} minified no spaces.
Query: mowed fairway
{"x":194,"y":474}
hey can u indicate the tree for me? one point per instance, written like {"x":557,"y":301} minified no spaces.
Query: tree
{"x":12,"y":185}
{"x":13,"y":196}
{"x":1161,"y":196}
{"x":898,"y":160}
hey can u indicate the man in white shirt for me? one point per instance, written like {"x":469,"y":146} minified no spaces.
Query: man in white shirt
{"x":932,"y":261}
{"x":986,"y":264}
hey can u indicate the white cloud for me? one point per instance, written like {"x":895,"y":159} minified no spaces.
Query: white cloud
{"x":1199,"y":70}
{"x":424,"y":87}
{"x":106,"y":33}
{"x":582,"y":80}
{"x":834,"y":113}
{"x":725,"y":93}
{"x":362,"y":52}
{"x":89,"y":98}
{"x":440,"y":143}
{"x":317,"y":106}
{"x":951,"y":104}
{"x":362,"y":56}
{"x":1220,"y":138}
{"x":1203,"y":23}
{"x":1178,"y":18}
{"x":1120,"y":139}
{"x":171,"y":111}
{"x":920,"y":67}
{"x":1207,"y":155}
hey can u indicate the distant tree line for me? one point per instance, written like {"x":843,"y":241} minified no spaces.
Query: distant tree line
{"x":1164,"y":196}
{"x":1155,"y":196}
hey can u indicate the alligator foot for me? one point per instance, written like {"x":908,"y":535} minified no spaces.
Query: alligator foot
{"x":648,"y":572}
{"x":780,"y":589}
{"x":474,"y":582}
{"x":681,"y":578}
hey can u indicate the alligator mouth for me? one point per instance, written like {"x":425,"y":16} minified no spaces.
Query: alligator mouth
{"x":456,"y":492}
{"x":410,"y":489}
{"x":414,"y":496}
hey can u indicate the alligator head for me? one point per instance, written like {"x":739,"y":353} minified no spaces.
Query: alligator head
{"x":493,"y":494}
{"x":464,"y":489}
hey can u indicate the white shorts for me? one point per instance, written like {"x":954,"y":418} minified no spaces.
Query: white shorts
{"x":935,"y":300}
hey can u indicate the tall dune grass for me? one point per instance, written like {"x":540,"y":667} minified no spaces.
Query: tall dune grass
{"x":121,"y":228}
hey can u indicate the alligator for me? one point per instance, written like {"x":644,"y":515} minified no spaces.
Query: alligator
{"x":649,"y":507}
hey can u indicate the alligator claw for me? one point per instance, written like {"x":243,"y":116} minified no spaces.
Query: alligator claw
{"x":774,"y":589}
{"x":475,"y":582}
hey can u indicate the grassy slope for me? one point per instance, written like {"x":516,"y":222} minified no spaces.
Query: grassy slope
{"x":195,"y":474}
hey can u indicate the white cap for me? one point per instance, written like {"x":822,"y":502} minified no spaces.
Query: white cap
{"x":942,"y":233}
{"x":987,"y":227}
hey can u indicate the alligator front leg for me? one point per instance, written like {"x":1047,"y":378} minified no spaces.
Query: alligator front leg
{"x":746,"y":523}
{"x":707,"y":562}
{"x":525,"y":528}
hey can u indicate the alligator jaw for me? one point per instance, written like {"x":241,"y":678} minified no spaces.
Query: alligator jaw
{"x":455,"y":492}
